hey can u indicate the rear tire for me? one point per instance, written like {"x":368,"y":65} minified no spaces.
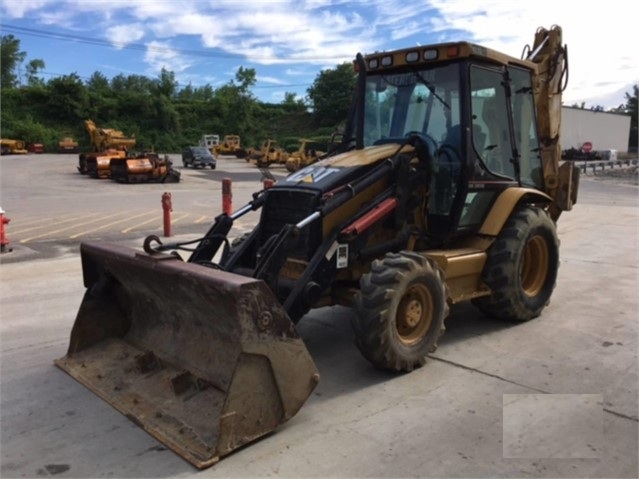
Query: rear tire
{"x":400,"y":311}
{"x":521,"y":269}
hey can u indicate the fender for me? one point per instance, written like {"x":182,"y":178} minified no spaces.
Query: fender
{"x":505,"y":204}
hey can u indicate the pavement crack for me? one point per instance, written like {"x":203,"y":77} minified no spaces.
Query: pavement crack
{"x":496,"y":376}
{"x":621,"y":415}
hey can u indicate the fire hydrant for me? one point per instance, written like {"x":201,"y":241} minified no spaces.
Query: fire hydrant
{"x":4,"y":241}
{"x":167,"y":207}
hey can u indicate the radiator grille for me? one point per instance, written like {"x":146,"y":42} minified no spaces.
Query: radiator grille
{"x":290,"y":207}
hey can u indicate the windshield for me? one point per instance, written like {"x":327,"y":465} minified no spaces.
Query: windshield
{"x":200,"y":150}
{"x":425,"y":100}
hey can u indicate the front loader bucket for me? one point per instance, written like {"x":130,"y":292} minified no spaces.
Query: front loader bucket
{"x":205,"y":361}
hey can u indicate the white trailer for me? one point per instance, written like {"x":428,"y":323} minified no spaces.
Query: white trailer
{"x":602,"y":130}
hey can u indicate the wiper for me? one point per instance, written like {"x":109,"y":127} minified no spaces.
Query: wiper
{"x":430,"y":87}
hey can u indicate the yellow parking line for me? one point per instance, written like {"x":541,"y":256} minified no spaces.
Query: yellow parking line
{"x":175,"y":220}
{"x":101,"y":227}
{"x":131,"y":228}
{"x":201,"y":219}
{"x":101,"y":218}
{"x":57,"y":221}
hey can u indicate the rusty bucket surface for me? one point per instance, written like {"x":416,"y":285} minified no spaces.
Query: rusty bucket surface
{"x":205,"y":361}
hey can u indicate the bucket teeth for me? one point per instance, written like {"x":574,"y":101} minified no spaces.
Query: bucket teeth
{"x":147,"y":362}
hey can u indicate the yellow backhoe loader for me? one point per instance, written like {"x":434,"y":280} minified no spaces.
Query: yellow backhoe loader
{"x":303,"y":156}
{"x":446,"y":187}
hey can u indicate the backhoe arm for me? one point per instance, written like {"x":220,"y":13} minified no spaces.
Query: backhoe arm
{"x":551,"y":57}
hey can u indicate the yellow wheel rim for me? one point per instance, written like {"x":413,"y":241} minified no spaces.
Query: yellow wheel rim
{"x":534,"y":268}
{"x":414,"y":314}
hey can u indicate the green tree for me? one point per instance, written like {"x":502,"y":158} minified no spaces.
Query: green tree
{"x":10,"y":59}
{"x":245,"y":78}
{"x":137,"y":83}
{"x":166,"y":84}
{"x":101,"y":99}
{"x":292,"y":103}
{"x":31,"y":72}
{"x":631,"y":108}
{"x":331,"y":93}
{"x":68,"y":99}
{"x":98,"y":82}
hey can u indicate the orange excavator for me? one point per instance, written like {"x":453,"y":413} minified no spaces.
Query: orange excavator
{"x":106,"y":143}
{"x":112,"y":158}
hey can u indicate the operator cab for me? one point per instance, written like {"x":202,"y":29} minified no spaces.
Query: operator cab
{"x":462,"y":102}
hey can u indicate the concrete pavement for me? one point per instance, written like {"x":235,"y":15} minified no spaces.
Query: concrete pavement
{"x":553,"y":397}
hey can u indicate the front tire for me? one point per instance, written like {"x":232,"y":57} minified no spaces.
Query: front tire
{"x":521,"y":269}
{"x":400,"y":311}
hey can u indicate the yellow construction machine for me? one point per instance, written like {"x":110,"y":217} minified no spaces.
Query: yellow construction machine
{"x":303,"y":156}
{"x":146,"y":167}
{"x":446,"y":187}
{"x":12,"y":147}
{"x":106,"y":143}
{"x":269,"y":153}
{"x":230,"y":145}
{"x":68,"y":145}
{"x":112,"y":158}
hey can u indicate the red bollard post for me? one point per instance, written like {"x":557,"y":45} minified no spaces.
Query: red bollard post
{"x":268,"y":182}
{"x":4,"y":240}
{"x":227,"y":197}
{"x":167,"y":207}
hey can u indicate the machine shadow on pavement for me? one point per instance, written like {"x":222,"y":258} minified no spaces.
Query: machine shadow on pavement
{"x":328,"y":336}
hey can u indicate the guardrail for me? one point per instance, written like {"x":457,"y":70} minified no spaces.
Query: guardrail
{"x":605,"y":164}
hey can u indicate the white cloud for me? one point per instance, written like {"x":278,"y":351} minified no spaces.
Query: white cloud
{"x":321,"y":33}
{"x":272,"y":80}
{"x":21,"y":8}
{"x":121,"y":35}
{"x":600,"y":38}
{"x":160,"y":55}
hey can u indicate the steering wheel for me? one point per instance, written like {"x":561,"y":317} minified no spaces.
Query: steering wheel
{"x":425,"y":139}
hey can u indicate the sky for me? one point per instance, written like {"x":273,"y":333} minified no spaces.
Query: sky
{"x":289,"y":42}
